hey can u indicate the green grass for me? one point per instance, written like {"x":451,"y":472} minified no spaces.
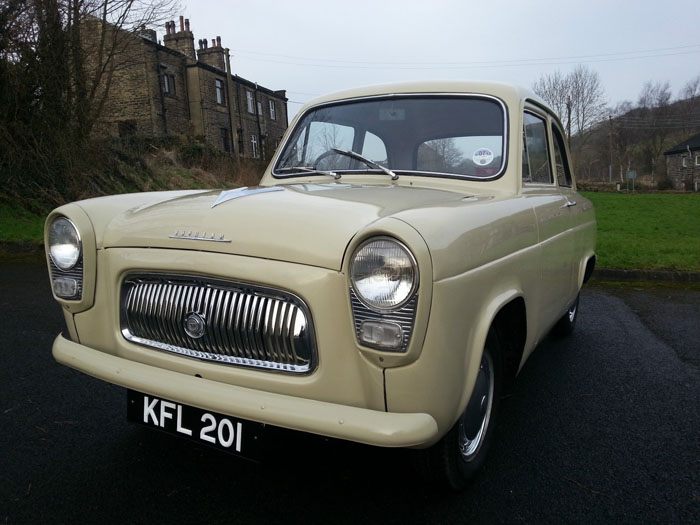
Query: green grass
{"x":635,"y":231}
{"x":19,"y":225}
{"x":648,"y":231}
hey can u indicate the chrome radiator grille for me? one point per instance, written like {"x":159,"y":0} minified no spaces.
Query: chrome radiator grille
{"x":224,"y":322}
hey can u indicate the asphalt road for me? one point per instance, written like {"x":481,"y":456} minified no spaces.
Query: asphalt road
{"x":602,"y":427}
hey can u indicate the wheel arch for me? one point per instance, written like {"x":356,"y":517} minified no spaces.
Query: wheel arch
{"x":507,"y":314}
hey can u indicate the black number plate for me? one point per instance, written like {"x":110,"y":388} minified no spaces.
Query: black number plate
{"x":236,"y":436}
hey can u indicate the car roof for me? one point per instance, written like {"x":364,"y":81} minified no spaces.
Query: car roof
{"x":504,"y":91}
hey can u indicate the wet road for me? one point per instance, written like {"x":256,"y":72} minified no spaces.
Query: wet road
{"x":603,"y":426}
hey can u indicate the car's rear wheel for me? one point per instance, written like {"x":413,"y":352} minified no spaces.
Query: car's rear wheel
{"x":458,"y":456}
{"x":566,"y":324}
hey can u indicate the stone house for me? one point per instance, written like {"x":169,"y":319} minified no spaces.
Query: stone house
{"x":173,"y":89}
{"x":683,"y":164}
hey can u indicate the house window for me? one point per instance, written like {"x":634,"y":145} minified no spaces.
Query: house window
{"x":225,"y":140}
{"x":697,"y":160}
{"x":220,"y":94}
{"x":249,"y":100}
{"x":168,"y":81}
{"x":684,"y":162}
{"x":254,"y":146}
{"x":260,"y":108}
{"x":273,"y":110}
{"x":126,"y":128}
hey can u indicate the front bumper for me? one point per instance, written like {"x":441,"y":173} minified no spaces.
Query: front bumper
{"x":362,"y":425}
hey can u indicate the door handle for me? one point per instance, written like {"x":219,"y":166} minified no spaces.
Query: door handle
{"x":569,"y":204}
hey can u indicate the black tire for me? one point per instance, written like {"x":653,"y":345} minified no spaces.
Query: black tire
{"x":567,"y":323}
{"x":459,"y":455}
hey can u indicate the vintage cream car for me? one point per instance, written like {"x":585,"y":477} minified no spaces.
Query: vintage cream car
{"x":407,"y":249}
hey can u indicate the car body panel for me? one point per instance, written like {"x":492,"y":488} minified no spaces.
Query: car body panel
{"x":478,"y":246}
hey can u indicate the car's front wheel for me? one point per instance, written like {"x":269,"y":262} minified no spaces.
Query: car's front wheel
{"x":456,"y":458}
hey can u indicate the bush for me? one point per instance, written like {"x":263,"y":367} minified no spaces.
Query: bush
{"x":196,"y":153}
{"x":664,"y":184}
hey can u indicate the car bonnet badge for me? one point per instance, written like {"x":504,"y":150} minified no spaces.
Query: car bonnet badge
{"x":195,"y":325}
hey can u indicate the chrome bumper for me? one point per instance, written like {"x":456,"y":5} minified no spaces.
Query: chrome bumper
{"x":371,"y":427}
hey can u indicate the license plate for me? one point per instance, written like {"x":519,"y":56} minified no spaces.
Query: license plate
{"x":233,"y":435}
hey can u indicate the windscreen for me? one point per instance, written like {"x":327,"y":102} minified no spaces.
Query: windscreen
{"x":449,"y":135}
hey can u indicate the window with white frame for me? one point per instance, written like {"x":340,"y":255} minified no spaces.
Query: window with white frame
{"x":220,"y":93}
{"x":684,"y":162}
{"x":273,"y":110}
{"x":260,"y":108}
{"x":250,"y":102}
{"x":697,"y":160}
{"x":254,"y":146}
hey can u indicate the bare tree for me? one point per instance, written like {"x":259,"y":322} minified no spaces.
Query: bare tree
{"x":556,"y":91}
{"x":655,"y":105}
{"x":691,"y":90}
{"x":58,"y":59}
{"x":579,"y":100}
{"x":587,"y":100}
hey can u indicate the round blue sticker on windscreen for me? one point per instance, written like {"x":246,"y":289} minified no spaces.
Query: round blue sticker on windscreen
{"x":482,"y":157}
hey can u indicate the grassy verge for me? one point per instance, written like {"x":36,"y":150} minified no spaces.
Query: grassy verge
{"x":648,"y":231}
{"x":18,"y":225}
{"x":652,"y":231}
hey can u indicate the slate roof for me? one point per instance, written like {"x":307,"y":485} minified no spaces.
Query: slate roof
{"x":693,"y":142}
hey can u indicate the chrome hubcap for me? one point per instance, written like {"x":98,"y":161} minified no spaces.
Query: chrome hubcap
{"x":475,"y":420}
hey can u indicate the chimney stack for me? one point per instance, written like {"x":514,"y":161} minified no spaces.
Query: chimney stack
{"x":182,"y":41}
{"x":187,"y":24}
{"x":213,"y":56}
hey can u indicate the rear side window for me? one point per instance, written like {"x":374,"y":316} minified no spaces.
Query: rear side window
{"x":536,"y":167}
{"x":562,"y":162}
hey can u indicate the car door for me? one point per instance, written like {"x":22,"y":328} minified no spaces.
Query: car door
{"x":574,"y":208}
{"x":556,"y":244}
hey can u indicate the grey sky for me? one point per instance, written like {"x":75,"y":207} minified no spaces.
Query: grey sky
{"x":312,"y":47}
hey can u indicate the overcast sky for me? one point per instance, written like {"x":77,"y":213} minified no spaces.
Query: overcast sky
{"x":313,"y":47}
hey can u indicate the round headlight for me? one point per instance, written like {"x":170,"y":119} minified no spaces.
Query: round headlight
{"x":384,"y":273}
{"x":64,"y":243}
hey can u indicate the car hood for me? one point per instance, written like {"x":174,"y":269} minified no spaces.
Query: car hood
{"x":309,"y":224}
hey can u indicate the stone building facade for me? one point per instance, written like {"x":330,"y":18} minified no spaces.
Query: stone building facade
{"x":683,"y":164}
{"x":174,"y":89}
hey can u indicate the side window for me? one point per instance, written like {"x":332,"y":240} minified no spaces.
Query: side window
{"x":536,"y":167}
{"x":374,"y":149}
{"x":562,"y":162}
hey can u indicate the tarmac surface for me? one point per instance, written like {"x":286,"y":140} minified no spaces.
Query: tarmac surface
{"x":602,"y":426}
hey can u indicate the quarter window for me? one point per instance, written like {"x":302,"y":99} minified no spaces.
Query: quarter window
{"x":562,"y":163}
{"x":536,"y":167}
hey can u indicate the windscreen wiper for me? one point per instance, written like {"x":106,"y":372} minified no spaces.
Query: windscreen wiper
{"x":371,"y":163}
{"x":308,"y":169}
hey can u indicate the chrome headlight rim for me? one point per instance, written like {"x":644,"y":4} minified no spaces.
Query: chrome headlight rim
{"x":79,"y":255}
{"x":414,"y":265}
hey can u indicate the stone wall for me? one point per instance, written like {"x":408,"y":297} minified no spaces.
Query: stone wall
{"x":683,"y":178}
{"x":164,"y":90}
